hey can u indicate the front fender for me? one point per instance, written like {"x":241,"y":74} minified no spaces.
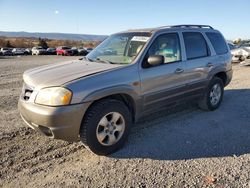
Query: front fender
{"x":102,"y":93}
{"x":121,"y":90}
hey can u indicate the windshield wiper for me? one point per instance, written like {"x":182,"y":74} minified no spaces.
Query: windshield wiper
{"x":104,"y":61}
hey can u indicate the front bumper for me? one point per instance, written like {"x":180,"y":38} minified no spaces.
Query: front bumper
{"x":56,"y":122}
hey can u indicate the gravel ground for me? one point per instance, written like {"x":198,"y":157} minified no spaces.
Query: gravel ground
{"x":181,"y":147}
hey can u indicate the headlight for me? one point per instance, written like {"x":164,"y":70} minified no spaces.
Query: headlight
{"x":54,"y":96}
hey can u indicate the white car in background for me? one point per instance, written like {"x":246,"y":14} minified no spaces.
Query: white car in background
{"x":240,"y":53}
{"x":38,"y":50}
{"x":245,"y":45}
{"x":18,"y":51}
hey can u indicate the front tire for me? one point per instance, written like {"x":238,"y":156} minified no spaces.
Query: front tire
{"x":213,"y":95}
{"x":106,"y":126}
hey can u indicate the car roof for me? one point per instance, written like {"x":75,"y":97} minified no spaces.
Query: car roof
{"x":173,"y":28}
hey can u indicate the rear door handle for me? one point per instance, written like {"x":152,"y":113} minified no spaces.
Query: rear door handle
{"x":210,"y":65}
{"x":179,"y":70}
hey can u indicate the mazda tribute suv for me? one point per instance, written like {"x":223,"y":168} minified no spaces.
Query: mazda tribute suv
{"x":129,"y":75}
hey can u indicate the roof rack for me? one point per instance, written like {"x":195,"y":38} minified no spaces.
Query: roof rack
{"x":199,"y":26}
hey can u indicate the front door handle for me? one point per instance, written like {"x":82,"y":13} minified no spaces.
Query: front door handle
{"x":210,"y":65}
{"x":179,"y":70}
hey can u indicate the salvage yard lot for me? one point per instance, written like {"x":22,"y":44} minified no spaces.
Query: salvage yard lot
{"x":172,"y":148}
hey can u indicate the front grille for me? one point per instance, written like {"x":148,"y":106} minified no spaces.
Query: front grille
{"x":26,"y":92}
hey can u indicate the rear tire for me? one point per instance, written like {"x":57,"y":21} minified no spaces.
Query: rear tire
{"x":106,"y":126}
{"x":213,"y":95}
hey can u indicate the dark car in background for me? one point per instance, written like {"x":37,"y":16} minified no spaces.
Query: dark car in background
{"x":51,"y":51}
{"x":6,"y":51}
{"x":74,"y":51}
{"x":27,"y":51}
{"x":82,"y":51}
{"x":89,"y":50}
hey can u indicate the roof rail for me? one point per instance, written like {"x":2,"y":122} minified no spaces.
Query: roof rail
{"x":199,"y":26}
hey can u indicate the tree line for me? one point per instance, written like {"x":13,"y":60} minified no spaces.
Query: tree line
{"x":45,"y":43}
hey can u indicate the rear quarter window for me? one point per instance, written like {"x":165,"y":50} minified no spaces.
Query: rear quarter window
{"x":218,"y":43}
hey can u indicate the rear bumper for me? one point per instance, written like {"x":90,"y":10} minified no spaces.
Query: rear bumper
{"x":229,"y":76}
{"x":56,"y":122}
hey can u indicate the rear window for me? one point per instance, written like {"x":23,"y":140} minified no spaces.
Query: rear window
{"x":218,"y":43}
{"x":195,"y":44}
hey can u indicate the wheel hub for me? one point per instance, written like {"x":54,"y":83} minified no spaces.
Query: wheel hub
{"x":215,"y":94}
{"x":110,"y":128}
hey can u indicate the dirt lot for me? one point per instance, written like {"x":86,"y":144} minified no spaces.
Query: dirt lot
{"x":182,"y":147}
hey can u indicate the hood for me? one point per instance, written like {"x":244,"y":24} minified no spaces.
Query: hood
{"x":61,"y":73}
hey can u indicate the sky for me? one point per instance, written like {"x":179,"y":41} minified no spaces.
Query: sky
{"x":231,"y":17}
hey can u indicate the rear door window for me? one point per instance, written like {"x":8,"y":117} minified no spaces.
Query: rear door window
{"x":218,"y":43}
{"x":195,"y":45}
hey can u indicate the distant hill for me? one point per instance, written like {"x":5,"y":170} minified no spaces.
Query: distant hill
{"x":57,"y":36}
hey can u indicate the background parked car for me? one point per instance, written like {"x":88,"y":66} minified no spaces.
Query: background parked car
{"x":27,"y":51}
{"x":38,"y":50}
{"x":6,"y":51}
{"x":74,"y":51}
{"x":89,"y":49}
{"x":240,"y":54}
{"x":245,"y":45}
{"x":63,"y":50}
{"x":51,"y":51}
{"x":82,"y":51}
{"x":18,"y":51}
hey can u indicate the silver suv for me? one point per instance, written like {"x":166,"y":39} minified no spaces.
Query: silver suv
{"x":129,"y":75}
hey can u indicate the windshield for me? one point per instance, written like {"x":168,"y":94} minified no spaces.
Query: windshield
{"x":120,"y":48}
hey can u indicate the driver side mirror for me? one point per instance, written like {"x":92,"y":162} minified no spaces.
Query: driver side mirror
{"x":155,"y":60}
